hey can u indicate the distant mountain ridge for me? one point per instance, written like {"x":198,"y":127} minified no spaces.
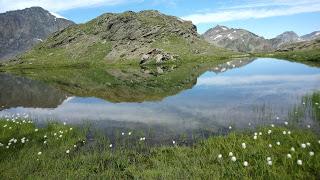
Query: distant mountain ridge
{"x":245,"y":41}
{"x":22,"y":29}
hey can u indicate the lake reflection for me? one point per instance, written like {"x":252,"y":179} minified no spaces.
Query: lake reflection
{"x":255,"y":93}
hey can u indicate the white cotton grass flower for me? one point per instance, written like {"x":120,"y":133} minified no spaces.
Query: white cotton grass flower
{"x":289,"y":156}
{"x":129,"y":133}
{"x":272,"y":125}
{"x":64,"y":123}
{"x":75,"y":146}
{"x":173,"y":142}
{"x":245,"y":163}
{"x":308,"y":144}
{"x":319,"y":142}
{"x":230,"y":154}
{"x":260,"y":133}
{"x":45,"y":136}
{"x":71,"y":129}
{"x":60,"y":136}
{"x":233,"y":158}
{"x":269,"y":163}
{"x":292,"y":149}
{"x":220,"y":156}
{"x":289,"y":132}
{"x":308,"y":126}
{"x":270,"y":145}
{"x":269,"y":131}
{"x":36,"y":130}
{"x":286,"y":123}
{"x":142,"y":138}
{"x":122,"y":133}
{"x":268,"y":158}
{"x":243,"y":145}
{"x":44,"y":142}
{"x":284,"y":132}
{"x":311,"y":153}
{"x":249,"y":124}
{"x":277,"y":118}
{"x":299,"y":162}
{"x":278,"y":143}
{"x":68,"y":151}
{"x":1,"y":145}
{"x":39,"y":153}
{"x":110,"y":145}
{"x":230,"y":127}
{"x":256,"y":134}
{"x":255,"y":137}
{"x":303,"y":145}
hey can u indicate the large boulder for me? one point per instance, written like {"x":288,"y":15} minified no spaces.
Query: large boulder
{"x":157,"y":56}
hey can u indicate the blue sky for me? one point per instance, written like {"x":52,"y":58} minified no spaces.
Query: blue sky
{"x":265,"y":18}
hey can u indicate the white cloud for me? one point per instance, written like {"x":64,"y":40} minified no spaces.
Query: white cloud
{"x":255,"y":11}
{"x":56,"y":5}
{"x":260,"y":79}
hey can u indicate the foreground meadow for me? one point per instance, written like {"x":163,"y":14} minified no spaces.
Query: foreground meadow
{"x":60,"y":151}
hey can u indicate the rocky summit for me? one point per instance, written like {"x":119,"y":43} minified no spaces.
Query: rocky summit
{"x":236,"y":39}
{"x":22,"y":29}
{"x":285,"y":38}
{"x":141,"y":36}
{"x":246,"y":41}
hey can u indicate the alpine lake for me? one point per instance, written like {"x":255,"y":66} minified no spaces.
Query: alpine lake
{"x":167,"y":102}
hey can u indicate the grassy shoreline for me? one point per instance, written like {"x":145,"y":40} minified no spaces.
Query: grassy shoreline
{"x":67,"y":153}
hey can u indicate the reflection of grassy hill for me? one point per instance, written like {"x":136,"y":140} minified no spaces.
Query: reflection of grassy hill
{"x":122,"y":83}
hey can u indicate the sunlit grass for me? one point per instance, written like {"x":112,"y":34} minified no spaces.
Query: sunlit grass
{"x":61,"y":151}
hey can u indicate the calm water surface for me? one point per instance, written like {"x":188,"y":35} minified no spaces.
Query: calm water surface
{"x":255,"y":93}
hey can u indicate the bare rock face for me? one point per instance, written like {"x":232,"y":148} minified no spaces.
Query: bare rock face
{"x":236,"y":39}
{"x":156,"y":56}
{"x":20,"y":30}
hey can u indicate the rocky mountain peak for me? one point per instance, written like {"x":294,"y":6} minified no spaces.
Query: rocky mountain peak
{"x":22,"y":29}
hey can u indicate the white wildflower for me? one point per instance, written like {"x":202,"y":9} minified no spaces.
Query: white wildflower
{"x":299,"y":162}
{"x":245,"y":163}
{"x":233,"y":158}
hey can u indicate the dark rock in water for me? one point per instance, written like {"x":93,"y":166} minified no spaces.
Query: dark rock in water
{"x":20,"y":30}
{"x":157,"y":56}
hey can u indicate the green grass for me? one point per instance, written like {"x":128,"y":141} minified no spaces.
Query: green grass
{"x":131,"y":158}
{"x":311,"y":56}
{"x":90,"y":154}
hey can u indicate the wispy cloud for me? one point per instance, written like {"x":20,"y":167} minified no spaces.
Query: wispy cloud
{"x":256,"y":10}
{"x":57,"y":5}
